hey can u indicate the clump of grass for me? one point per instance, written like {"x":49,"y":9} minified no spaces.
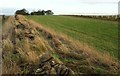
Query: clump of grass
{"x":57,"y":56}
{"x":69,"y":60}
{"x":100,"y":71}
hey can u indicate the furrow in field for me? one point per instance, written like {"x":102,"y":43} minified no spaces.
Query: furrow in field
{"x":82,"y":37}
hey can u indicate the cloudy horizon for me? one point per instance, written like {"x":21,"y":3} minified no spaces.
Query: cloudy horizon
{"x":107,"y":7}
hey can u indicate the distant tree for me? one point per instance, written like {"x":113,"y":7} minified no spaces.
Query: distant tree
{"x":42,"y":12}
{"x":32,"y":13}
{"x":39,"y":12}
{"x":49,"y":12}
{"x":22,"y":12}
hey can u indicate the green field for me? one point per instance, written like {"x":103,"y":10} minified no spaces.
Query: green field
{"x":0,"y":23}
{"x":100,"y":34}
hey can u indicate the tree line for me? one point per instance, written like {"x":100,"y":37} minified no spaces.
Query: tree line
{"x":39,"y":12}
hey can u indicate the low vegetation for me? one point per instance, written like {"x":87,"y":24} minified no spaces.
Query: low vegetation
{"x":102,"y":35}
{"x":31,"y":48}
{"x":39,"y":12}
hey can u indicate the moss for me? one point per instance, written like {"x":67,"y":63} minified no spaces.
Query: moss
{"x":55,"y":55}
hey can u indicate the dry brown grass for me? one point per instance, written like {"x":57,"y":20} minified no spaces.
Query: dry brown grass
{"x":77,"y":45}
{"x":10,"y":68}
{"x":48,"y":41}
{"x":92,"y":54}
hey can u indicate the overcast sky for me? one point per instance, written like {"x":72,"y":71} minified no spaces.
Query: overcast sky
{"x":62,"y":6}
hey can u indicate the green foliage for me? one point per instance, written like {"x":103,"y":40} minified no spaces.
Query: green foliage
{"x":39,"y":12}
{"x":100,"y":34}
{"x":42,"y":12}
{"x":15,"y":57}
{"x":22,"y":12}
{"x":49,"y":12}
{"x":57,"y":56}
{"x":99,"y":70}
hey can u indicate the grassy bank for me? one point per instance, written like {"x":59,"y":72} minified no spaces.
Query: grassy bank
{"x":100,"y":34}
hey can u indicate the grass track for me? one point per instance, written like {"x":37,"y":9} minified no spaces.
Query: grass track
{"x":100,"y":34}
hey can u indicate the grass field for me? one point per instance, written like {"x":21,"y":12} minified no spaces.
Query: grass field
{"x":0,"y":20}
{"x":102,"y":35}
